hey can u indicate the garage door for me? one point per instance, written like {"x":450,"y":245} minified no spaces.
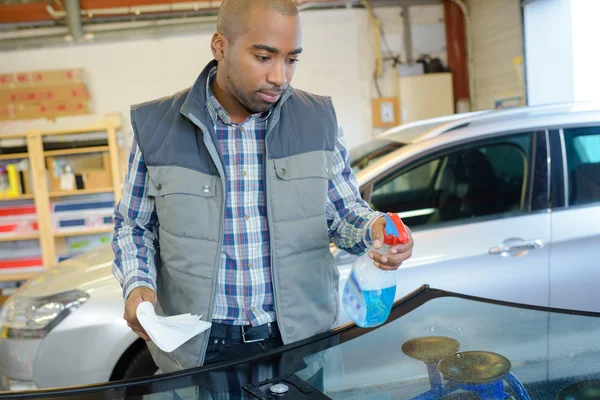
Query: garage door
{"x":497,"y":42}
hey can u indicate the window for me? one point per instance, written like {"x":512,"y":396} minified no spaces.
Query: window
{"x":582,"y":146}
{"x":479,"y":180}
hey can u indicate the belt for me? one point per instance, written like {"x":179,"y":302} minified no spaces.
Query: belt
{"x":244,"y":333}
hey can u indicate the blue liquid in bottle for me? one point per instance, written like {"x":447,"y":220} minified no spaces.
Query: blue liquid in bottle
{"x":369,"y":292}
{"x":367,"y":308}
{"x":379,"y":303}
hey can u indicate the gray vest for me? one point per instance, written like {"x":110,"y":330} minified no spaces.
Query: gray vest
{"x":187,"y":181}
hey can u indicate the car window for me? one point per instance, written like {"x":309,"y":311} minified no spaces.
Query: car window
{"x":477,"y":180}
{"x":582,"y":146}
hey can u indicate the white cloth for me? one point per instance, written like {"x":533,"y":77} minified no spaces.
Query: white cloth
{"x":168,"y":333}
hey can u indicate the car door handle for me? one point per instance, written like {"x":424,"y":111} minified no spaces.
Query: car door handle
{"x":512,"y":246}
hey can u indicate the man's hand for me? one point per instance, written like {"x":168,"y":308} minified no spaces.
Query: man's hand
{"x":398,"y":254}
{"x":137,"y":296}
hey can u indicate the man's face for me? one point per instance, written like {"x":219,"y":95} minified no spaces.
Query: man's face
{"x":260,"y":63}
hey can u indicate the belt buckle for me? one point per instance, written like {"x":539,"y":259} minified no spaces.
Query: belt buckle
{"x":244,"y":340}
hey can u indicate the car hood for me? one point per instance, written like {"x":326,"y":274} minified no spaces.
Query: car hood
{"x":82,"y":272}
{"x":88,"y":270}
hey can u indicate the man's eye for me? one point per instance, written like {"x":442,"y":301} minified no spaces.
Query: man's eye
{"x":293,"y":60}
{"x":262,"y":58}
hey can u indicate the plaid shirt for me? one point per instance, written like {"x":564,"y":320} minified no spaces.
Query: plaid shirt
{"x":244,"y":293}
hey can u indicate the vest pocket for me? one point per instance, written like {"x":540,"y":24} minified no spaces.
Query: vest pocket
{"x":188,"y":203}
{"x":299,"y":186}
{"x":315,"y":164}
{"x":197,"y":185}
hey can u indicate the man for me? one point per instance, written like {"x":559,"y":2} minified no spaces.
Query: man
{"x":235,"y":188}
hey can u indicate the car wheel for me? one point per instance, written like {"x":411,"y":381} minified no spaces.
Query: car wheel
{"x":141,"y":364}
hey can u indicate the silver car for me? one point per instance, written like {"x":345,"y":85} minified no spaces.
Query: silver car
{"x":502,"y":204}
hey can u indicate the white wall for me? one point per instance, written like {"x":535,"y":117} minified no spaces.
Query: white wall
{"x":428,"y":35}
{"x":586,"y":58}
{"x":338,"y":60}
{"x":549,"y":51}
{"x":562,"y":65}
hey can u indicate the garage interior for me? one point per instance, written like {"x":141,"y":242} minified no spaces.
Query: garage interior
{"x":471,"y":51}
{"x":71,"y":69}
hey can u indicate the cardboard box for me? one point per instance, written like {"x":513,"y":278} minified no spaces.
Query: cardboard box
{"x":17,"y":226}
{"x":425,"y":96}
{"x":73,"y":245}
{"x":20,"y":249}
{"x":41,"y":78}
{"x":46,"y":109}
{"x":42,"y":94}
{"x":21,"y":263}
{"x":92,"y":171}
{"x":84,"y":220}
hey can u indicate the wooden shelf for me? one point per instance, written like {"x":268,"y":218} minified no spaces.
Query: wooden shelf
{"x":20,"y":197}
{"x":83,"y":232}
{"x":83,"y":150}
{"x":80,"y":192}
{"x":32,"y":148}
{"x":88,"y":129}
{"x":13,"y":156}
{"x":33,"y":236}
{"x":18,"y":276}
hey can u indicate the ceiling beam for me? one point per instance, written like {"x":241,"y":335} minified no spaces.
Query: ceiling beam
{"x":7,"y":2}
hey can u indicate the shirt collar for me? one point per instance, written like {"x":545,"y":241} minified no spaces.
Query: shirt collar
{"x":216,"y":110}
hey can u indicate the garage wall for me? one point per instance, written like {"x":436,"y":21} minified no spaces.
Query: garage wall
{"x":121,"y":74}
{"x":586,"y":58}
{"x":338,"y":60}
{"x":560,"y":65}
{"x":549,"y":52}
{"x":428,"y":37}
{"x":497,"y":40}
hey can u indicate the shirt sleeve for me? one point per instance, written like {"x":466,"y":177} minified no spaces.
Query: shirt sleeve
{"x":135,"y":238}
{"x":349,"y":217}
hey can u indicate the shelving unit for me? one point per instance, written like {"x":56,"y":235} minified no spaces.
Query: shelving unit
{"x":66,"y":152}
{"x":39,"y":151}
{"x":81,"y":192}
{"x":13,"y":156}
{"x":19,"y":238}
{"x":17,"y":277}
{"x":83,"y":232}
{"x":20,"y":197}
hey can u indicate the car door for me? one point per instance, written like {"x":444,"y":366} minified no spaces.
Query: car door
{"x":575,"y":250}
{"x":479,"y":216}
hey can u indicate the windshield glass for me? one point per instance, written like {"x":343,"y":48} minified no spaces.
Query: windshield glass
{"x":434,"y":344}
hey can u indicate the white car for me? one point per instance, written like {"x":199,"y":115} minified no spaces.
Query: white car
{"x":502,"y":205}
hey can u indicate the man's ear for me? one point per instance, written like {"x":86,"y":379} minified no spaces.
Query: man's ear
{"x":217,"y":46}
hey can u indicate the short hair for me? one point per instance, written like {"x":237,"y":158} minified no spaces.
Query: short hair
{"x":232,"y":20}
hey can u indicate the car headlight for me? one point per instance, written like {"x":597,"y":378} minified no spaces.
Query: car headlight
{"x":33,"y":318}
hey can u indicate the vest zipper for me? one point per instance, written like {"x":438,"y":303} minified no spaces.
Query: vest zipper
{"x":212,"y":150}
{"x":269,"y":224}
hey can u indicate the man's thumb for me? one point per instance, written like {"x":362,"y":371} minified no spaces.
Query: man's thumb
{"x":378,"y":233}
{"x":149,"y":295}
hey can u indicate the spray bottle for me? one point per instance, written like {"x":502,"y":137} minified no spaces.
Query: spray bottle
{"x":369,"y":292}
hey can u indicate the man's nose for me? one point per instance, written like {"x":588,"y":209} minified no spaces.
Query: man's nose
{"x":277,"y":75}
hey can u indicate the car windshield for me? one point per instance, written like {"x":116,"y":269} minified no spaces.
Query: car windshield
{"x":434,"y":344}
{"x":367,"y":153}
